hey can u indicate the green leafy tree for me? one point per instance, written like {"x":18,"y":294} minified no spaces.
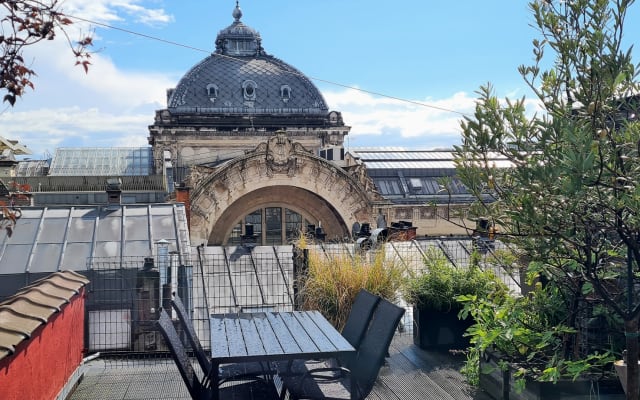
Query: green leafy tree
{"x":24,"y":23}
{"x":571,"y":201}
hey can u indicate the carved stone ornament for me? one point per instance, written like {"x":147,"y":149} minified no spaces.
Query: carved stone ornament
{"x":281,"y":154}
{"x":198,"y":173}
{"x":360,"y":174}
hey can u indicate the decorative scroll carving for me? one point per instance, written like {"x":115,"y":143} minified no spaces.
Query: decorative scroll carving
{"x":360,"y":173}
{"x":197,"y":174}
{"x":281,"y":155}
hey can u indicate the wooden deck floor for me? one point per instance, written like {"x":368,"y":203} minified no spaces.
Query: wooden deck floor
{"x":410,"y":373}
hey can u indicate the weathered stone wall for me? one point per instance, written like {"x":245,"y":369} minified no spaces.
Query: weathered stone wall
{"x":278,"y":172}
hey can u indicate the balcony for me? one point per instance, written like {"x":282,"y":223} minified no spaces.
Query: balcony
{"x":126,"y":359}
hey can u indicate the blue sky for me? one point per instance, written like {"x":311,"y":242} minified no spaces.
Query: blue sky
{"x":436,"y":53}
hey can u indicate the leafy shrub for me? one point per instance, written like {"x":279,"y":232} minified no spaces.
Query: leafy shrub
{"x":440,"y":283}
{"x":531,"y":334}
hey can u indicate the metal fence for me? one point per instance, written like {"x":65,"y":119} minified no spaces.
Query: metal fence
{"x":125,"y":296}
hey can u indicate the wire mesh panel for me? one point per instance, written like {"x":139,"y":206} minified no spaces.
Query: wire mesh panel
{"x":124,"y":299}
{"x":247,"y":279}
{"x":240,"y":279}
{"x":126,"y":294}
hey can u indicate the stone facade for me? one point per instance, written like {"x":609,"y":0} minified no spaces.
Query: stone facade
{"x":278,"y":172}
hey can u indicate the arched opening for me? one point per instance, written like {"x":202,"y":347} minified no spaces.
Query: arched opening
{"x":277,"y":214}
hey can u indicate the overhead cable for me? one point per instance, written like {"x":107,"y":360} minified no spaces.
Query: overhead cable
{"x":242,"y":60}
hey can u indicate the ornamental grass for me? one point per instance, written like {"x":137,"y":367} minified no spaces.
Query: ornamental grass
{"x":331,"y":283}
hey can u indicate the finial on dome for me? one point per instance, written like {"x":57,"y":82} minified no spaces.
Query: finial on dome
{"x":237,"y":12}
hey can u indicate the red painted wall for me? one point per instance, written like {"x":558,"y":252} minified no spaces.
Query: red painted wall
{"x":41,"y":365}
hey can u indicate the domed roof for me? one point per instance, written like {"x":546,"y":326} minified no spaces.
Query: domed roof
{"x":240,"y":78}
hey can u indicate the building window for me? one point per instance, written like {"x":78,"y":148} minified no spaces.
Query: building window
{"x":293,"y":225}
{"x":273,"y":222}
{"x":389,"y":186}
{"x":212,"y":92}
{"x":271,"y":226}
{"x":255,"y":219}
{"x":285,"y":93}
{"x":249,"y":90}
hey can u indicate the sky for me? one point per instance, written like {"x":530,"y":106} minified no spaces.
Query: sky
{"x":402,"y":73}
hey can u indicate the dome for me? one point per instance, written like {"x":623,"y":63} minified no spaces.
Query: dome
{"x":240,"y":78}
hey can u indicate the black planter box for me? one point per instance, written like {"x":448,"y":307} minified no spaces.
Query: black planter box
{"x":438,"y":330}
{"x":500,"y":385}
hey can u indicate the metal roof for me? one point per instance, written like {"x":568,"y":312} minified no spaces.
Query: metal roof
{"x":396,"y":154}
{"x":90,"y":183}
{"x":218,"y":84}
{"x":412,"y":176}
{"x":23,"y":313}
{"x":53,"y":239}
{"x":32,"y":168}
{"x":425,"y":165}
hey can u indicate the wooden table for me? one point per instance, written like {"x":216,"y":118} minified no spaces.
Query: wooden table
{"x":273,"y":336}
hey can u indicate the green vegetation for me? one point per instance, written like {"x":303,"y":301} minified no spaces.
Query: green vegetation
{"x":571,"y":202}
{"x":440,"y":283}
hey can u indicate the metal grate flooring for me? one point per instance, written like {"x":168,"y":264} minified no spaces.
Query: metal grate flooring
{"x":409,"y":373}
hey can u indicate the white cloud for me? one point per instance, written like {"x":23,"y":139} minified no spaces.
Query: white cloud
{"x":109,"y":11}
{"x":108,"y":106}
{"x":45,"y":129}
{"x":425,"y":121}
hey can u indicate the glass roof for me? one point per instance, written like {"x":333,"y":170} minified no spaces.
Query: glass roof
{"x":32,"y":168}
{"x":55,"y":239}
{"x":97,"y":161}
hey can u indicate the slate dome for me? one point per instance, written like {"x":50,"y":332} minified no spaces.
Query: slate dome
{"x":240,"y":78}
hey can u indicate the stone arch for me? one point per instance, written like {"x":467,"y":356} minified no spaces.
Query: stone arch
{"x":277,"y":172}
{"x":308,"y":204}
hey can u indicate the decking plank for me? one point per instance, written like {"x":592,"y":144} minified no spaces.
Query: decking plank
{"x":407,"y":375}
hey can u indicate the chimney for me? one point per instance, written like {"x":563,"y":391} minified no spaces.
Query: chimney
{"x":182,"y":196}
{"x":114,"y":192}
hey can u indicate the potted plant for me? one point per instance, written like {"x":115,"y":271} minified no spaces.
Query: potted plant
{"x":433,"y":292}
{"x":570,"y":200}
{"x":523,"y":347}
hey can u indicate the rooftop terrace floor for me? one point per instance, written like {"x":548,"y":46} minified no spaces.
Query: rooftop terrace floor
{"x":410,"y":373}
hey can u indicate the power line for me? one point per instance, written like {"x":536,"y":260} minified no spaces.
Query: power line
{"x":290,"y":72}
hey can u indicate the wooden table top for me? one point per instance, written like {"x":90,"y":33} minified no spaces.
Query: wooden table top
{"x":269,"y":336}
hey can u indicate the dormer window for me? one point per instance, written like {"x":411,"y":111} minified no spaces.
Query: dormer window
{"x":285,"y":93}
{"x":212,"y":92}
{"x":249,"y":90}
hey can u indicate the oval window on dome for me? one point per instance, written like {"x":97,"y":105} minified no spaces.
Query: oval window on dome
{"x":212,"y":92}
{"x":249,"y":90}
{"x":285,"y":92}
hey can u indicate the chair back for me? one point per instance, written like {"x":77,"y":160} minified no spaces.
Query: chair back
{"x":180,"y":356}
{"x":359,"y":317}
{"x":190,"y":333}
{"x":374,"y":347}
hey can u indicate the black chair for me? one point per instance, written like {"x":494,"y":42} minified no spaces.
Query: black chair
{"x":227,"y":372}
{"x":359,"y":317}
{"x":354,"y":329}
{"x":198,"y":389}
{"x":336,"y":383}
